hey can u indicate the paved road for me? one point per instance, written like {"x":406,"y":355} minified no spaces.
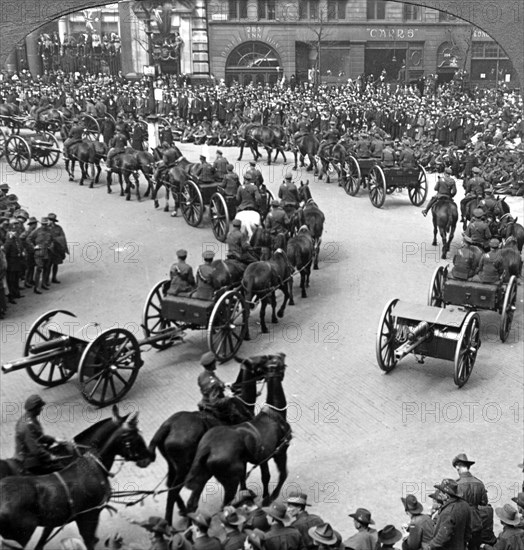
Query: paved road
{"x":361,"y":438}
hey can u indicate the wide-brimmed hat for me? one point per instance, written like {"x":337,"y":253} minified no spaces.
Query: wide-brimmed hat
{"x":462,"y":458}
{"x":411,"y":504}
{"x":478,"y":213}
{"x":256,"y":538}
{"x":436,"y":496}
{"x":229,"y":516}
{"x":208,"y":359}
{"x":33,"y":402}
{"x":449,"y":486}
{"x":362,"y":516}
{"x":508,"y":514}
{"x":200,"y":519}
{"x":278,"y":512}
{"x":157,"y":525}
{"x":300,"y":499}
{"x":323,"y":534}
{"x":493,"y":243}
{"x":179,"y":542}
{"x":389,"y":535}
{"x":519,"y":499}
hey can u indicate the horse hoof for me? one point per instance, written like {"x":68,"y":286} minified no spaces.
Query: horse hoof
{"x":81,"y":183}
{"x":315,"y":267}
{"x":434,"y":243}
{"x":71,"y":178}
{"x":264,"y":330}
{"x":109,"y":191}
{"x":91,"y":186}
{"x":291,"y":302}
{"x":122,"y":194}
{"x":128,"y":198}
{"x":275,"y":320}
{"x":294,"y":168}
{"x":304,"y":295}
{"x":166,"y":209}
{"x":280,"y":314}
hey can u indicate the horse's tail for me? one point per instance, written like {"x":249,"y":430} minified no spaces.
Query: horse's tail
{"x":158,"y":439}
{"x":198,"y":474}
{"x":247,"y":284}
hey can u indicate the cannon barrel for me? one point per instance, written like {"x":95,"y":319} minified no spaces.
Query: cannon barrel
{"x":54,"y":343}
{"x":33,"y":360}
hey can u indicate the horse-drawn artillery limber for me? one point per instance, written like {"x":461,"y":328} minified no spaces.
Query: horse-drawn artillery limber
{"x":425,"y":331}
{"x":470,"y":295}
{"x":21,"y":148}
{"x":107,"y":361}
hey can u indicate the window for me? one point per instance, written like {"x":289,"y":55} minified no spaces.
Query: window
{"x":412,"y":13}
{"x":334,"y":62}
{"x":376,"y":9}
{"x":487,"y":50}
{"x":237,"y":9}
{"x":336,"y":9}
{"x":266,"y":9}
{"x":308,"y":9}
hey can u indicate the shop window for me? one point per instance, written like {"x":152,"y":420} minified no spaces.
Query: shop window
{"x":334,"y":62}
{"x":412,"y":13}
{"x":237,"y":9}
{"x":376,"y":9}
{"x":336,"y":9}
{"x":266,"y":9}
{"x":308,"y":9}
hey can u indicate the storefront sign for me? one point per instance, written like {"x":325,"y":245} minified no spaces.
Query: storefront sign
{"x":477,"y":33}
{"x":389,"y":34}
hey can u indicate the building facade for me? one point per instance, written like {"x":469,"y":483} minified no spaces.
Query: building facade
{"x":261,"y":41}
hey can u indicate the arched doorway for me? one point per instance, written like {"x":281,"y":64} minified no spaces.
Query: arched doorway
{"x":448,"y":56}
{"x":254,"y":63}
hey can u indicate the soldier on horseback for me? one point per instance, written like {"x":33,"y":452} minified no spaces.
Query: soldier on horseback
{"x":329,"y":138}
{"x":204,"y":171}
{"x":474,"y":189}
{"x":212,"y":389}
{"x":238,"y":247}
{"x":118,"y":145}
{"x":446,"y":189}
{"x":288,"y":194}
{"x":254,"y":174}
{"x":304,"y":126}
{"x":32,"y":445}
{"x":75,"y":136}
{"x":277,"y":221}
{"x":248,"y":196}
{"x":169,"y":159}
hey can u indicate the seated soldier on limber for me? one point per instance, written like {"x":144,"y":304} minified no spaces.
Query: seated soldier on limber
{"x":465,"y":261}
{"x":491,"y":268}
{"x":445,"y":188}
{"x":204,"y":289}
{"x":182,"y":278}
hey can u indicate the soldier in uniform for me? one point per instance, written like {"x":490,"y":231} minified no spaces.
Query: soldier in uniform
{"x":445,"y":188}
{"x":182,"y":278}
{"x":41,"y":239}
{"x":212,"y":389}
{"x":304,"y":127}
{"x":220,"y":165}
{"x":377,"y":146}
{"x":365,"y":538}
{"x":491,"y":268}
{"x":302,"y":520}
{"x":238,"y":246}
{"x":280,"y":534}
{"x":199,"y":526}
{"x":74,"y":136}
{"x":277,"y":221}
{"x":465,"y":261}
{"x":254,"y":174}
{"x":388,"y":155}
{"x":232,"y":522}
{"x":255,"y":516}
{"x":474,"y":493}
{"x":363,"y":146}
{"x":204,"y":171}
{"x":117,"y":145}
{"x":248,"y":196}
{"x":478,"y":230}
{"x":59,"y":248}
{"x":474,"y":188}
{"x":330,"y":137}
{"x":204,"y":289}
{"x":420,"y":528}
{"x":288,"y":194}
{"x":230,"y":183}
{"x":14,"y":250}
{"x":29,"y":279}
{"x":407,"y":156}
{"x":31,"y":444}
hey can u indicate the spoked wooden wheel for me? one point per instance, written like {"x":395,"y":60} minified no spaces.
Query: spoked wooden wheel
{"x":467,"y":348}
{"x":18,"y":153}
{"x":55,"y":371}
{"x":377,"y":186}
{"x":386,"y":338}
{"x":219,"y":217}
{"x":47,"y":155}
{"x":152,"y":320}
{"x":3,"y":139}
{"x":163,"y":122}
{"x":191,"y":203}
{"x":419,"y":192}
{"x":91,"y":127}
{"x":109,"y":367}
{"x":353,"y":176}
{"x":228,"y":325}
{"x":508,"y":308}
{"x":436,"y":288}
{"x":110,"y":117}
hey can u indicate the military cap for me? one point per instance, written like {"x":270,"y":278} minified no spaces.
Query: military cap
{"x":4,"y":186}
{"x":478,"y":212}
{"x":243,"y":495}
{"x":12,"y":198}
{"x":32,"y":221}
{"x":181,"y":253}
{"x":207,"y":359}
{"x":448,"y":170}
{"x":52,"y":217}
{"x":252,"y":163}
{"x":219,"y":152}
{"x":44,"y":221}
{"x":237,"y":223}
{"x":230,"y":167}
{"x":494,"y":243}
{"x":202,"y":157}
{"x":33,"y":402}
{"x":462,"y":458}
{"x":275,"y":202}
{"x":208,"y":255}
{"x":288,"y":177}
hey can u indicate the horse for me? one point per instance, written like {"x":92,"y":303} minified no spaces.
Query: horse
{"x":77,"y":493}
{"x":250,"y":220}
{"x":307,"y":145}
{"x":226,"y":273}
{"x":178,"y":437}
{"x":173,"y":181}
{"x":511,"y":258}
{"x":508,"y":227}
{"x":128,"y":163}
{"x":309,"y":214}
{"x":336,"y":155}
{"x":268,"y":137}
{"x":445,"y":218}
{"x":262,"y":279}
{"x":224,"y":451}
{"x":500,"y":208}
{"x":9,"y":109}
{"x":300,"y":250}
{"x":86,"y":152}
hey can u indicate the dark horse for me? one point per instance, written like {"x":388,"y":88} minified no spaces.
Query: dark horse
{"x":509,"y":227}
{"x":336,"y":155}
{"x":173,"y":182}
{"x":262,"y":279}
{"x":300,"y":251}
{"x":87,"y":153}
{"x":501,"y":207}
{"x":306,"y":146}
{"x":178,"y":437}
{"x":269,"y":137}
{"x":511,"y":258}
{"x":309,"y":214}
{"x":128,"y":163}
{"x":225,"y":451}
{"x":77,"y":493}
{"x":445,"y":218}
